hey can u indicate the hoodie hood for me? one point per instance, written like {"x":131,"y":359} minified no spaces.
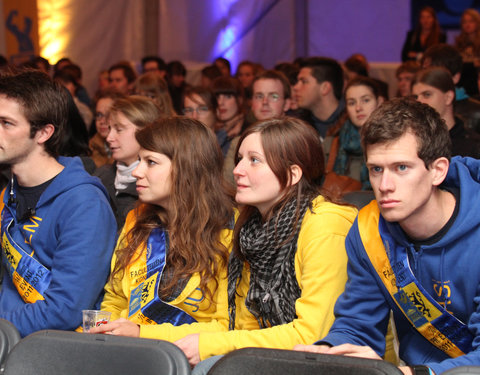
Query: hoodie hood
{"x":72,"y":175}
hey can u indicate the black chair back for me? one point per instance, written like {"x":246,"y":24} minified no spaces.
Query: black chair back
{"x":256,"y":361}
{"x":9,"y":336}
{"x":60,"y":352}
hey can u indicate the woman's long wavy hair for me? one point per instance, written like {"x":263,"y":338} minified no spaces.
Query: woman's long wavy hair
{"x":155,"y":87}
{"x":434,"y":35}
{"x":200,"y":205}
{"x":286,"y":142}
{"x":463,"y":40}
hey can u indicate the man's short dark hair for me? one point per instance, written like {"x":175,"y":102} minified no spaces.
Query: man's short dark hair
{"x":127,"y":69}
{"x":394,"y":118}
{"x":356,"y":65}
{"x":326,"y":69}
{"x":42,"y":100}
{"x":276,"y":75}
{"x":211,"y":72}
{"x":175,"y":68}
{"x":444,"y":55}
{"x":160,"y":62}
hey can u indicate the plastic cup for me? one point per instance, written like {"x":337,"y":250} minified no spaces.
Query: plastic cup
{"x":94,"y":318}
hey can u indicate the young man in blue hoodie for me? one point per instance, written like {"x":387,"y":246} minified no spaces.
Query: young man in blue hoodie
{"x":57,"y":228}
{"x":413,"y":250}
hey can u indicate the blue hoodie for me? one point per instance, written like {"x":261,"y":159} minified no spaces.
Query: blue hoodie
{"x":72,"y":235}
{"x":449,"y":270}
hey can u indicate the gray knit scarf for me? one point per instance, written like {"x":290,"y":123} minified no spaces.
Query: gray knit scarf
{"x":269,"y":248}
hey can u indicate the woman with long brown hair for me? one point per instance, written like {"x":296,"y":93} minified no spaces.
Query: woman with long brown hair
{"x":155,"y":87}
{"x":426,"y":34}
{"x":169,"y":270}
{"x":289,"y":263}
{"x":468,"y":41}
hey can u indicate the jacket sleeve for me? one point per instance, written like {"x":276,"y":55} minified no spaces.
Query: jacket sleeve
{"x":361,"y":312}
{"x":85,"y":236}
{"x":469,"y":359}
{"x":320,"y":267}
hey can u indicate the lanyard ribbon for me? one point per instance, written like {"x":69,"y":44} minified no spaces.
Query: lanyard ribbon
{"x":29,"y":276}
{"x":146,"y":306}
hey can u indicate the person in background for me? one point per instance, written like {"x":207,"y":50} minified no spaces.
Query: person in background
{"x":154,"y":64}
{"x":426,"y":34}
{"x":61,"y":63}
{"x":246,"y":72}
{"x":100,"y":151}
{"x":271,"y":95}
{"x":288,"y":265}
{"x":405,"y":74}
{"x":448,"y":57}
{"x":176,"y":73}
{"x":127,"y":115}
{"x":200,"y":104}
{"x":291,"y":71}
{"x":362,"y":97}
{"x":81,"y":91}
{"x":122,"y":77}
{"x":42,"y":64}
{"x":74,"y":140}
{"x":209,"y":73}
{"x":230,"y":98}
{"x":319,"y":89}
{"x":224,"y":65}
{"x":154,"y":87}
{"x":357,"y":65}
{"x":468,"y":41}
{"x":103,"y":82}
{"x":68,"y":80}
{"x":434,"y":86}
{"x":169,"y":271}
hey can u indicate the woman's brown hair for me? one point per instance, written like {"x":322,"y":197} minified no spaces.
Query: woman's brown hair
{"x":154,"y":87}
{"x":434,"y":35}
{"x":200,"y":206}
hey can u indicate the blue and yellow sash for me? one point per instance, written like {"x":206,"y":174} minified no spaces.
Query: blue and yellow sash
{"x":429,"y":318}
{"x":29,"y":276}
{"x":146,"y":307}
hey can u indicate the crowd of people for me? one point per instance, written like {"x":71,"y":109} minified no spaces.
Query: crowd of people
{"x":217,"y":220}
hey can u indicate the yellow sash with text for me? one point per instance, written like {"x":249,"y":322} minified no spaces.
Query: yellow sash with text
{"x":433,"y":322}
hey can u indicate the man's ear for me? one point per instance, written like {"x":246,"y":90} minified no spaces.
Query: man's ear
{"x":456,"y":77}
{"x":295,"y":174}
{"x":44,"y":133}
{"x":325,"y":87}
{"x":287,"y":104}
{"x":439,"y":169}
{"x":449,"y":97}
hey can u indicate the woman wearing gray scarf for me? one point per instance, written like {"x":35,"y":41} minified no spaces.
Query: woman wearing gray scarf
{"x":289,"y":263}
